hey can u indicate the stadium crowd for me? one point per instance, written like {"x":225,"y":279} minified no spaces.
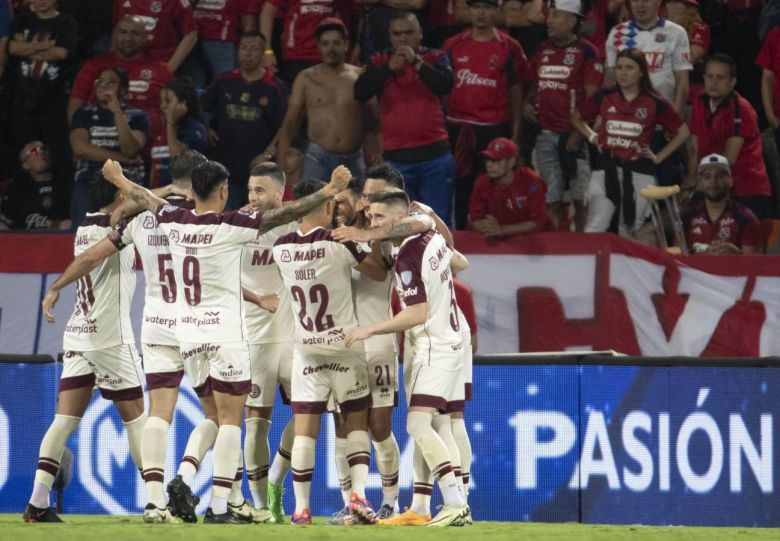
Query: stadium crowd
{"x":487,"y":108}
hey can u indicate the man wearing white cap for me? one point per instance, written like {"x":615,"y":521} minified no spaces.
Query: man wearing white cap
{"x":566,"y":70}
{"x":714,"y":223}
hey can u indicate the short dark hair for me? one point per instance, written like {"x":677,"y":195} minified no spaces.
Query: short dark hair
{"x":388,"y":173}
{"x":269,"y":169}
{"x":207,"y":177}
{"x":391,"y":196}
{"x":253,"y":34}
{"x":307,"y":187}
{"x":356,"y":186}
{"x":722,"y":58}
{"x":184,"y":163}
{"x":404,"y":14}
{"x":101,"y":192}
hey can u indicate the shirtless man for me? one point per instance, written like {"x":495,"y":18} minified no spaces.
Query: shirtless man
{"x":338,"y":125}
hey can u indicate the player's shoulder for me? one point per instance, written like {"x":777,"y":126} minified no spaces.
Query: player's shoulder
{"x":414,"y":247}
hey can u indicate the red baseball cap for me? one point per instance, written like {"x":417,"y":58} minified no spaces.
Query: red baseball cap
{"x":331,"y":23}
{"x":500,"y":149}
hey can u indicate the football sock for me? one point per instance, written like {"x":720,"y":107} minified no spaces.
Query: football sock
{"x":135,"y":433}
{"x":52,"y":446}
{"x":342,"y":468}
{"x":461,"y":436}
{"x":358,"y":458}
{"x":302,"y":470}
{"x":227,"y":453}
{"x":236,"y":497}
{"x":388,"y":458}
{"x":442,"y":424}
{"x":434,"y":450}
{"x":153,"y":445}
{"x":201,"y":439}
{"x":256,"y":455}
{"x":281,"y":463}
{"x":423,"y":484}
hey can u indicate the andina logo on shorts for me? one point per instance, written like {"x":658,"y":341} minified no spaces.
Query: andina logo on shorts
{"x":231,"y":372}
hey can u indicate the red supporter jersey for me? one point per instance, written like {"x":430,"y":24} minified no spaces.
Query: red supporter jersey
{"x":627,"y":126}
{"x":769,"y":59}
{"x":410,"y":114}
{"x":220,"y":20}
{"x":167,"y":21}
{"x":700,"y":35}
{"x":737,"y":225}
{"x":441,"y":13}
{"x":521,"y":201}
{"x":562,"y":74}
{"x":712,"y":129}
{"x":301,"y":18}
{"x":597,"y":16}
{"x":483,"y":72}
{"x":465,"y":299}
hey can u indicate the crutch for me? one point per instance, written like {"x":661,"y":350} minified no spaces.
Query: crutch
{"x":654,"y":194}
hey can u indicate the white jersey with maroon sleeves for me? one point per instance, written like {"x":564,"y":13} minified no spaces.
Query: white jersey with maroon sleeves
{"x":101,"y":316}
{"x":423,"y":274}
{"x":372,"y":301}
{"x":151,"y":242}
{"x":316,"y":271}
{"x":260,"y":273}
{"x":206,"y":250}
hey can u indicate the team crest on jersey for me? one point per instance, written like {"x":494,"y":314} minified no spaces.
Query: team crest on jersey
{"x":660,"y":38}
{"x":493,"y":62}
{"x":149,"y":222}
{"x":406,"y":277}
{"x":146,"y":74}
{"x":244,"y":97}
{"x":174,"y":235}
{"x":569,"y":60}
{"x":724,"y":233}
{"x":641,"y":113}
{"x":286,"y":257}
{"x":263,"y":101}
{"x":155,"y":7}
{"x":255,"y":391}
{"x":434,"y":263}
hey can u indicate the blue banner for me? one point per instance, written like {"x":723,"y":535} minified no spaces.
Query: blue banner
{"x":597,"y":444}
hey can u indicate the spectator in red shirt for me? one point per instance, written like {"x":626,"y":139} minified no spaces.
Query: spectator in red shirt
{"x":486,"y":101}
{"x":686,"y":14}
{"x":714,"y":223}
{"x":220,"y":23}
{"x":170,"y":24}
{"x":723,"y":122}
{"x":507,"y":200}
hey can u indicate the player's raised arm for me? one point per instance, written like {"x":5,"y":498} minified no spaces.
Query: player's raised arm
{"x":78,"y":268}
{"x":339,"y":180}
{"x":458,"y":261}
{"x":407,"y":318}
{"x":411,"y":225}
{"x":374,"y":266}
{"x":112,"y":172}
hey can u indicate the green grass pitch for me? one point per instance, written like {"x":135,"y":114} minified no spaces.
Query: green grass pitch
{"x":131,"y":528}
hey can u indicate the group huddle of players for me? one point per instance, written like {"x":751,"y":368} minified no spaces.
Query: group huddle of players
{"x":295,"y":296}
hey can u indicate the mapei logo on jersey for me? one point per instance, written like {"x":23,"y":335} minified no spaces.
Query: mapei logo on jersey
{"x":149,"y":222}
{"x":174,"y":235}
{"x":286,"y":257}
{"x":623,"y":128}
{"x":434,"y":263}
{"x":554,"y":72}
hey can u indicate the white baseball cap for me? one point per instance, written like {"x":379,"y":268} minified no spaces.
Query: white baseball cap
{"x":714,"y":160}
{"x":570,"y":6}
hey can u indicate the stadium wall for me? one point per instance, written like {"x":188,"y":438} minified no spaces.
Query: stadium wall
{"x":555,"y":439}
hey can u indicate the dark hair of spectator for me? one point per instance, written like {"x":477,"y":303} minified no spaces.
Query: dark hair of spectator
{"x":645,"y":84}
{"x":102,"y":192}
{"x":388,"y":173}
{"x":307,"y":187}
{"x":185,"y":91}
{"x":404,"y":14}
{"x":207,"y":177}
{"x":184,"y":163}
{"x":721,"y":58}
{"x":391,"y":196}
{"x":124,"y":80}
{"x":253,"y":34}
{"x":271,"y":170}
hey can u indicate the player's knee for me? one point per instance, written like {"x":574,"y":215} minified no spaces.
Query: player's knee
{"x":418,"y":425}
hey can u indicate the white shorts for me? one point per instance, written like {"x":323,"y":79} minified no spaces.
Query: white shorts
{"x":315,"y":377}
{"x":438,"y":384}
{"x":270,"y":365}
{"x":164,"y":368}
{"x":116,"y":371}
{"x":468,"y":370}
{"x":223,"y":367}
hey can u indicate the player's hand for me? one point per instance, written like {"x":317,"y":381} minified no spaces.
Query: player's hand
{"x":268,"y":302}
{"x":339,"y":180}
{"x":420,"y":208}
{"x":49,"y":301}
{"x":112,"y":172}
{"x":347,"y":233}
{"x":356,"y":334}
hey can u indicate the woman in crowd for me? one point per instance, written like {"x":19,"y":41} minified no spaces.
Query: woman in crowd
{"x":628,"y":113}
{"x":107,"y":130}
